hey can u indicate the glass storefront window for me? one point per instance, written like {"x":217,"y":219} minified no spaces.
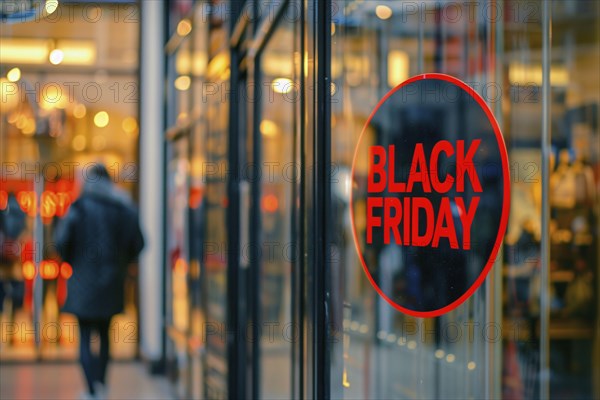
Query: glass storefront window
{"x":75,"y":103}
{"x":178,"y":258}
{"x":574,"y":228}
{"x":188,"y":201}
{"x":215,"y":203}
{"x":277,"y":136}
{"x":493,"y":344}
{"x":530,"y":327}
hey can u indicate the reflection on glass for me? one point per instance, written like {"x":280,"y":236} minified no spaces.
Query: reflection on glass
{"x":277,"y":150}
{"x":491,"y":345}
{"x":574,"y":202}
{"x":215,"y":202}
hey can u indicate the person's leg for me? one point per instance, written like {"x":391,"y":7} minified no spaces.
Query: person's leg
{"x":103,"y":331}
{"x":85,"y":352}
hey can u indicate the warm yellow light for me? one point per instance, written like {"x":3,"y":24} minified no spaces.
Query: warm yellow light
{"x":53,"y":96}
{"x":439,"y":353}
{"x":129,"y":125}
{"x":187,"y":63}
{"x":23,"y":51}
{"x":183,"y":83}
{"x":398,"y":67}
{"x":269,"y":128}
{"x":99,"y":143}
{"x":450,"y":358}
{"x":225,"y":75}
{"x":56,"y":56}
{"x":14,"y":75}
{"x":522,"y":74}
{"x":29,"y":127}
{"x":101,"y":119}
{"x":197,"y":166}
{"x":383,"y":12}
{"x":28,"y":270}
{"x":21,"y":121}
{"x":276,"y":64}
{"x":306,"y":64}
{"x":51,"y":6}
{"x":79,"y":111}
{"x":471,"y":365}
{"x":78,"y":143}
{"x":183,"y":63}
{"x":218,"y":65}
{"x":199,"y":63}
{"x":9,"y":95}
{"x":282,"y":85}
{"x":77,"y":52}
{"x":184,"y":27}
{"x":37,"y":51}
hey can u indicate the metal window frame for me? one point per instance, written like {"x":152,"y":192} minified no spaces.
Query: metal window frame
{"x":251,"y":61}
{"x":310,"y":290}
{"x":310,"y":277}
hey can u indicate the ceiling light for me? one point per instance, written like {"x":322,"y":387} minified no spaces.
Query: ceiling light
{"x":37,"y":51}
{"x":51,"y":6}
{"x":14,"y":75}
{"x":184,"y":27}
{"x":183,"y":83}
{"x":282,"y":85}
{"x":101,"y":119}
{"x":56,"y":56}
{"x":269,"y":128}
{"x":23,"y":51}
{"x":383,"y":12}
{"x":77,"y":52}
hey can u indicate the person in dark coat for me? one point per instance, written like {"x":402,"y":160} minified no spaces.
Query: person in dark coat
{"x":99,"y":237}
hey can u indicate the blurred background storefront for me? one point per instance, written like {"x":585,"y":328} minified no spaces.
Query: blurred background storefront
{"x":69,"y":98}
{"x":256,"y":108}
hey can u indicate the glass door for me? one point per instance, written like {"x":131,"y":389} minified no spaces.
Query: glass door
{"x":273,"y":174}
{"x":277,"y":239}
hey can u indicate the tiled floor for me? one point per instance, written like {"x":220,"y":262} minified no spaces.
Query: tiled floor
{"x":127,"y":380}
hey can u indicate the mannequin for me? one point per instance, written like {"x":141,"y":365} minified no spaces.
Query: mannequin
{"x":585,"y":191}
{"x":562,"y":183}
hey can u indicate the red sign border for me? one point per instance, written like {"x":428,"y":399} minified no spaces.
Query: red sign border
{"x":505,"y":204}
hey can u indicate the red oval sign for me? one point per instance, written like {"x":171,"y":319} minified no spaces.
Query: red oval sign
{"x":431,"y":194}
